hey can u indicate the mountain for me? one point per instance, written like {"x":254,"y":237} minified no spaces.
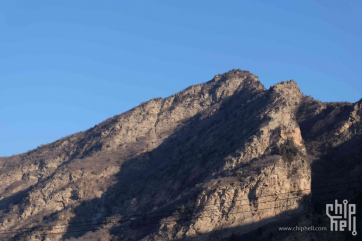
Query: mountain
{"x":224,"y":160}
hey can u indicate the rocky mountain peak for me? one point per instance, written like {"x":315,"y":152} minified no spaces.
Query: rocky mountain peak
{"x":235,"y":74}
{"x":285,"y":85}
{"x":207,"y":163}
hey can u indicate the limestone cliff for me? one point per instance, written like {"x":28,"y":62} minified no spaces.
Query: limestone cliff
{"x":214,"y":161}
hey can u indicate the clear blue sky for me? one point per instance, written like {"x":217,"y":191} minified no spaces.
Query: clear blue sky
{"x":68,"y":65}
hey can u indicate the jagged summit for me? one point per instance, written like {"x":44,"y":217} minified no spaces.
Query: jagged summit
{"x":217,"y":155}
{"x":234,"y":73}
{"x":285,"y":87}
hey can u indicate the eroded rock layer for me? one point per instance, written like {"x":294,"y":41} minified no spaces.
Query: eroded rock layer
{"x":219,"y":160}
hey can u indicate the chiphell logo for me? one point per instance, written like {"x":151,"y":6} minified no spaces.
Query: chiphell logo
{"x":342,"y":216}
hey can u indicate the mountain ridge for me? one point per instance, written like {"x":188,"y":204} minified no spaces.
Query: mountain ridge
{"x":210,"y":144}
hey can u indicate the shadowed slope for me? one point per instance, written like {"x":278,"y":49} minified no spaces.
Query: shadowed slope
{"x":229,"y":144}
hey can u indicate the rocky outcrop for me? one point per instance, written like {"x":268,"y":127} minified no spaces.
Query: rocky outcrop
{"x":217,"y":159}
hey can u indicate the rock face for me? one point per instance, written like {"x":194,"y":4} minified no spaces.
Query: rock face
{"x":219,"y":160}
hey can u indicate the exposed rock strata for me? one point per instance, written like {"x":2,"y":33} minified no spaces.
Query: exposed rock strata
{"x":217,"y":159}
